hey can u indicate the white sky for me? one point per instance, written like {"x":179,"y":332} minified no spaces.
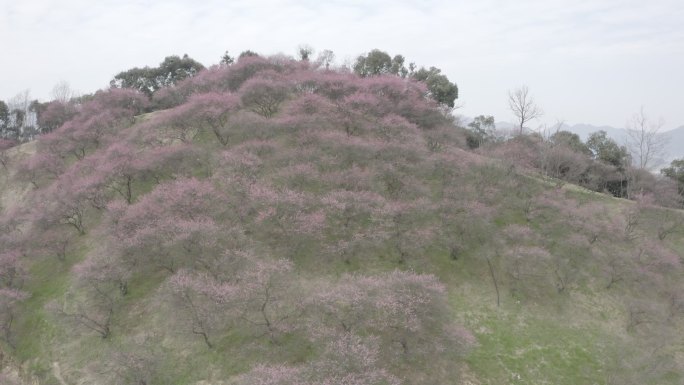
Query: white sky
{"x":585,"y":61}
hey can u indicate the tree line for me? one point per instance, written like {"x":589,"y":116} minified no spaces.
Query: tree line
{"x":599,"y":163}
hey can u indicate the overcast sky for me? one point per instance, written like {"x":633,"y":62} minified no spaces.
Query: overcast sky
{"x":584,"y":61}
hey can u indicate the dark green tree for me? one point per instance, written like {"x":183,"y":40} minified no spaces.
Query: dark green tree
{"x":305,"y":51}
{"x":570,"y":140}
{"x":441,"y":89}
{"x":676,"y":173}
{"x":174,"y":69}
{"x":19,"y":118}
{"x":4,"y":116}
{"x":397,"y":67}
{"x":607,"y":150}
{"x":248,"y":53}
{"x":226,"y":59}
{"x":480,"y":131}
{"x":149,"y":80}
{"x":376,"y":62}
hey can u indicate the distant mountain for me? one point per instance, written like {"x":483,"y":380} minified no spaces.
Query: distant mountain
{"x":674,"y":148}
{"x":584,"y":130}
{"x":675,"y":144}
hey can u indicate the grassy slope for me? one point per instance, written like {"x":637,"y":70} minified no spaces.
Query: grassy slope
{"x":536,"y":336}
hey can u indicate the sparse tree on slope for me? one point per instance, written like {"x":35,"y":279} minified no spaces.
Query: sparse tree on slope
{"x":607,"y":150}
{"x":523,"y":107}
{"x":645,"y":142}
{"x":676,"y":173}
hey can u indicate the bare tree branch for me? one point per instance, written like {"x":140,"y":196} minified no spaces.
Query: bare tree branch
{"x":645,"y":142}
{"x":523,"y":106}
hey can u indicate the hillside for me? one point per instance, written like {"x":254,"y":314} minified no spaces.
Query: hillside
{"x":271,"y":222}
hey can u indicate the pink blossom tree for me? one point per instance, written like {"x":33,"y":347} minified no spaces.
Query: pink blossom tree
{"x":169,"y":226}
{"x":351,"y":359}
{"x":247,"y":67}
{"x":40,"y":169}
{"x":70,"y":197}
{"x":54,"y":242}
{"x":212,"y":110}
{"x":263,"y":96}
{"x":266,"y":297}
{"x":348,"y":359}
{"x":102,"y":282}
{"x":170,"y":162}
{"x":205,"y":301}
{"x":139,"y":363}
{"x":95,"y":124}
{"x":56,"y":113}
{"x":120,"y":167}
{"x":405,"y":310}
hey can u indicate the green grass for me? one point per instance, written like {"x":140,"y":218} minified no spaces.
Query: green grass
{"x":50,"y":281}
{"x":515,"y":346}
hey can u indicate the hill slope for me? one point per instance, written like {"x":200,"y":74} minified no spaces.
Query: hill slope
{"x":273,"y":223}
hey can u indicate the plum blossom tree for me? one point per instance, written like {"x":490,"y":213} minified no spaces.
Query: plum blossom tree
{"x":54,"y":242}
{"x":166,"y":162}
{"x":263,"y":96}
{"x":348,"y":359}
{"x":102,"y":282}
{"x":96,"y":123}
{"x":40,"y":169}
{"x":134,"y":363}
{"x":118,"y":165}
{"x":206,"y":301}
{"x":204,"y":111}
{"x":405,"y":310}
{"x":247,"y":67}
{"x":55,"y":114}
{"x":169,"y":226}
{"x":266,"y":298}
{"x":70,"y":197}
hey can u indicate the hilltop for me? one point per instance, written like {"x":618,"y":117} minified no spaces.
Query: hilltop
{"x":274,"y":221}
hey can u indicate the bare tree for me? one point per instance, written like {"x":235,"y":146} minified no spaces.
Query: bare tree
{"x":523,"y":106}
{"x":21,"y":114}
{"x":62,"y":92}
{"x":325,"y":58}
{"x":645,"y":141}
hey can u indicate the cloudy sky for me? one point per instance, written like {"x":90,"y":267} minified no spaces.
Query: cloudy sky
{"x":584,"y":61}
